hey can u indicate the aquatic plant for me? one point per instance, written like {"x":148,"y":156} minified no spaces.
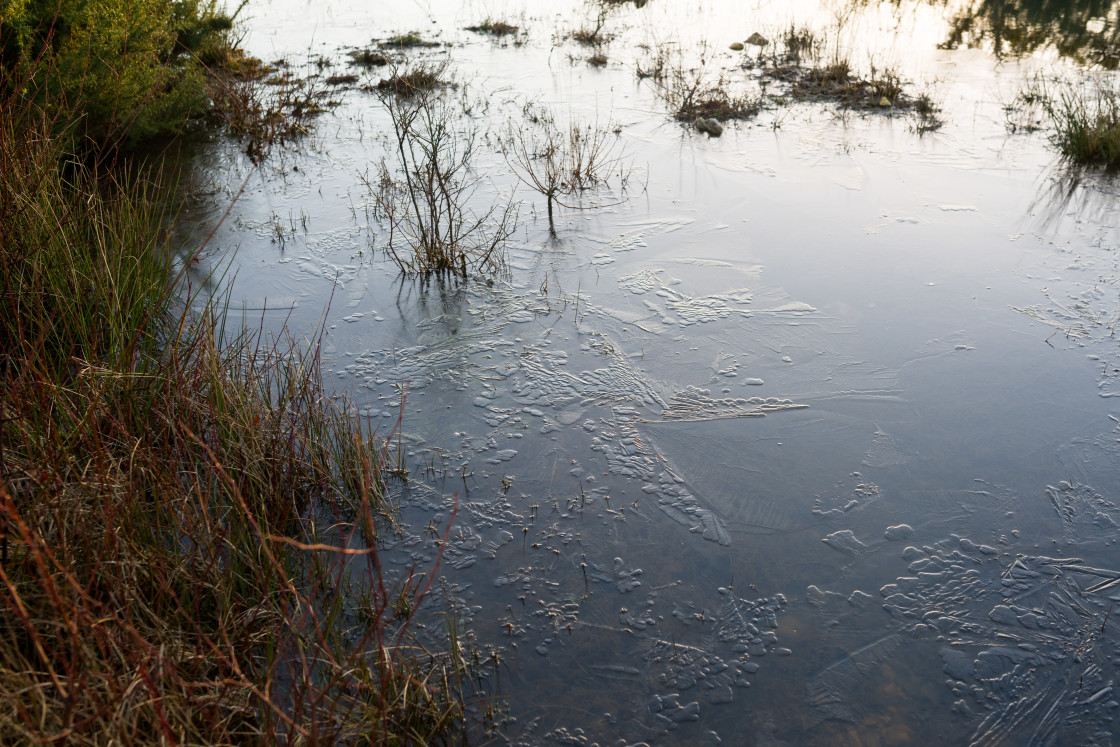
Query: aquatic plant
{"x":561,"y":162}
{"x":1024,"y":109}
{"x":1086,"y":122}
{"x":424,"y":196}
{"x":691,"y":92}
{"x":804,"y":73}
{"x":797,"y":43}
{"x":494,"y":27}
{"x":367,"y":58}
{"x":414,"y":81}
{"x":268,"y":105}
{"x":598,"y":59}
{"x":653,"y":62}
{"x":591,"y":34}
{"x":406,"y":41}
{"x":164,"y":481}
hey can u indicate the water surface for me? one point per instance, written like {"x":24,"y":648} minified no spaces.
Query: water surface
{"x":808,"y":436}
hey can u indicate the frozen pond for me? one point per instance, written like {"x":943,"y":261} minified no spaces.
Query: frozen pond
{"x":801,"y":434}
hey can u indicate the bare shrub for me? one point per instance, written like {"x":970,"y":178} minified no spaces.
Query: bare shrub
{"x":591,"y":34}
{"x":693,"y":94}
{"x":653,"y":63}
{"x":561,"y":162}
{"x":424,"y":196}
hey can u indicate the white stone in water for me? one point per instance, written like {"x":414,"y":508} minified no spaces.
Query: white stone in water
{"x":709,"y":126}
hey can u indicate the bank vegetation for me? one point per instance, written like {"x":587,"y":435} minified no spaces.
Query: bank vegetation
{"x":188,"y":521}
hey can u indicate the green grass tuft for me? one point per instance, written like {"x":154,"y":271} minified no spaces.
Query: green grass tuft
{"x":1087,"y":125}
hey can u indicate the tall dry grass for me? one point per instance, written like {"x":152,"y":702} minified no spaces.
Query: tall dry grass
{"x":188,"y":523}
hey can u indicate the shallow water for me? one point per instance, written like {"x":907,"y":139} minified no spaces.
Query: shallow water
{"x":807,"y":437}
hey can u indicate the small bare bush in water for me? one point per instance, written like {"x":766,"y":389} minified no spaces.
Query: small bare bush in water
{"x":562,"y":162}
{"x":694,"y":96}
{"x":653,"y":63}
{"x":424,"y":196}
{"x":592,"y":33}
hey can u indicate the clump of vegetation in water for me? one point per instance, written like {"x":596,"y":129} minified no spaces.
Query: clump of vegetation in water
{"x":268,"y":105}
{"x":412,"y":82}
{"x":494,"y":28}
{"x":796,"y":60}
{"x":562,"y":162}
{"x":693,"y":95}
{"x":1083,"y":117}
{"x":368,"y":58}
{"x":1086,"y":123}
{"x":598,"y":59}
{"x":836,"y":81}
{"x":1025,"y":110}
{"x":407,"y":40}
{"x":424,"y":197}
{"x":592,"y":34}
{"x":653,"y":64}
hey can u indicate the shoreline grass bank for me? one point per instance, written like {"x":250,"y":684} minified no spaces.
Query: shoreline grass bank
{"x":188,"y":521}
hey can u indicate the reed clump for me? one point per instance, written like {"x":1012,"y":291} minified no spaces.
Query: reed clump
{"x":165,"y":576}
{"x":1086,"y":123}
